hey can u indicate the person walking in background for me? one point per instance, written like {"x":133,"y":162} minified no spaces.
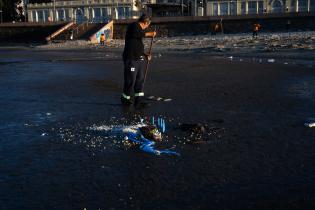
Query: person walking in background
{"x":71,"y":34}
{"x":134,"y":61}
{"x":102,"y":39}
{"x":288,"y":25}
{"x":256,"y":29}
{"x":216,"y":29}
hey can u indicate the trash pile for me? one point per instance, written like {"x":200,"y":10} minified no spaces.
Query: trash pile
{"x":197,"y":133}
{"x":144,"y":134}
{"x":153,"y":135}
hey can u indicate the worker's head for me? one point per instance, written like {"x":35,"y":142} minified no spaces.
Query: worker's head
{"x":144,"y":21}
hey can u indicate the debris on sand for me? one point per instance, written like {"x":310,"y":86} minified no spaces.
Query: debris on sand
{"x":198,"y":132}
{"x":196,"y":127}
{"x":310,"y":124}
{"x":269,"y":42}
{"x":142,"y":134}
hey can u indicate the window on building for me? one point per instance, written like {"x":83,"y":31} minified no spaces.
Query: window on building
{"x":312,"y":5}
{"x":79,"y":15}
{"x":60,"y":15}
{"x":97,"y":12}
{"x":46,"y":14}
{"x":260,"y":7}
{"x":303,"y":5}
{"x":67,"y":15}
{"x":252,"y":7}
{"x":40,"y":15}
{"x":243,"y":7}
{"x":120,"y":12}
{"x":34,"y":16}
{"x":233,"y":8}
{"x":276,"y":7}
{"x":128,"y":12}
{"x":224,"y":8}
{"x":215,"y":9}
{"x":104,"y":12}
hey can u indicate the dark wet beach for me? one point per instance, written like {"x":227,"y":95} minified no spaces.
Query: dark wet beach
{"x":258,"y":155}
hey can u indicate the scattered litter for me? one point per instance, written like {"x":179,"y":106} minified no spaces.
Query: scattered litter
{"x":100,"y":128}
{"x":230,"y":57}
{"x":271,"y":60}
{"x":155,"y":135}
{"x":158,"y":98}
{"x":48,"y":114}
{"x":44,"y":134}
{"x":197,"y":127}
{"x":310,"y":125}
{"x":143,"y":134}
{"x":147,"y":145}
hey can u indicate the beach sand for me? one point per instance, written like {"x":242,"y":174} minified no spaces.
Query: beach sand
{"x":256,"y":154}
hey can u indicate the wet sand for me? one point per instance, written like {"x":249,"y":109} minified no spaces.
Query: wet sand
{"x":260,"y":158}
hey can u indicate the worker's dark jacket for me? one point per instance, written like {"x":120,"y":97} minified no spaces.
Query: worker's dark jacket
{"x":134,"y":48}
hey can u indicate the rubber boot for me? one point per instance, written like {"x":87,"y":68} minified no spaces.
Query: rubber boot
{"x":125,"y":102}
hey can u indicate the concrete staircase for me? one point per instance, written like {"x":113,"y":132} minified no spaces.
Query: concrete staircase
{"x":81,"y":31}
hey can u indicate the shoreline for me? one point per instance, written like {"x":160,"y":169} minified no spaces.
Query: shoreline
{"x":286,"y":47}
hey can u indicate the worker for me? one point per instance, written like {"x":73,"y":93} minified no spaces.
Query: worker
{"x":102,"y":39}
{"x":256,"y":28}
{"x":134,"y":60}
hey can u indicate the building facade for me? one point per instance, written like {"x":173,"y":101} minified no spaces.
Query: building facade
{"x":103,"y":10}
{"x":245,"y":7}
{"x":83,"y":10}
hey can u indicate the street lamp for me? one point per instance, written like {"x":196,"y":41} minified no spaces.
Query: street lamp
{"x":25,"y":10}
{"x":182,"y":8}
{"x":1,"y":11}
{"x":54,"y":16}
{"x":195,"y":7}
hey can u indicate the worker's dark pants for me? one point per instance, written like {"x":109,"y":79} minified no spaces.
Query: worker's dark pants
{"x":134,"y":77}
{"x":255,"y":33}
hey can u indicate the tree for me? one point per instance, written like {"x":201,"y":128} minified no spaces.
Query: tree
{"x":10,"y":11}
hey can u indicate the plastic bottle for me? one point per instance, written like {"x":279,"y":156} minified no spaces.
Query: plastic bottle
{"x":311,"y":124}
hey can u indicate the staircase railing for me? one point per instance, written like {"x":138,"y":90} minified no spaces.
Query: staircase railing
{"x":59,"y":31}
